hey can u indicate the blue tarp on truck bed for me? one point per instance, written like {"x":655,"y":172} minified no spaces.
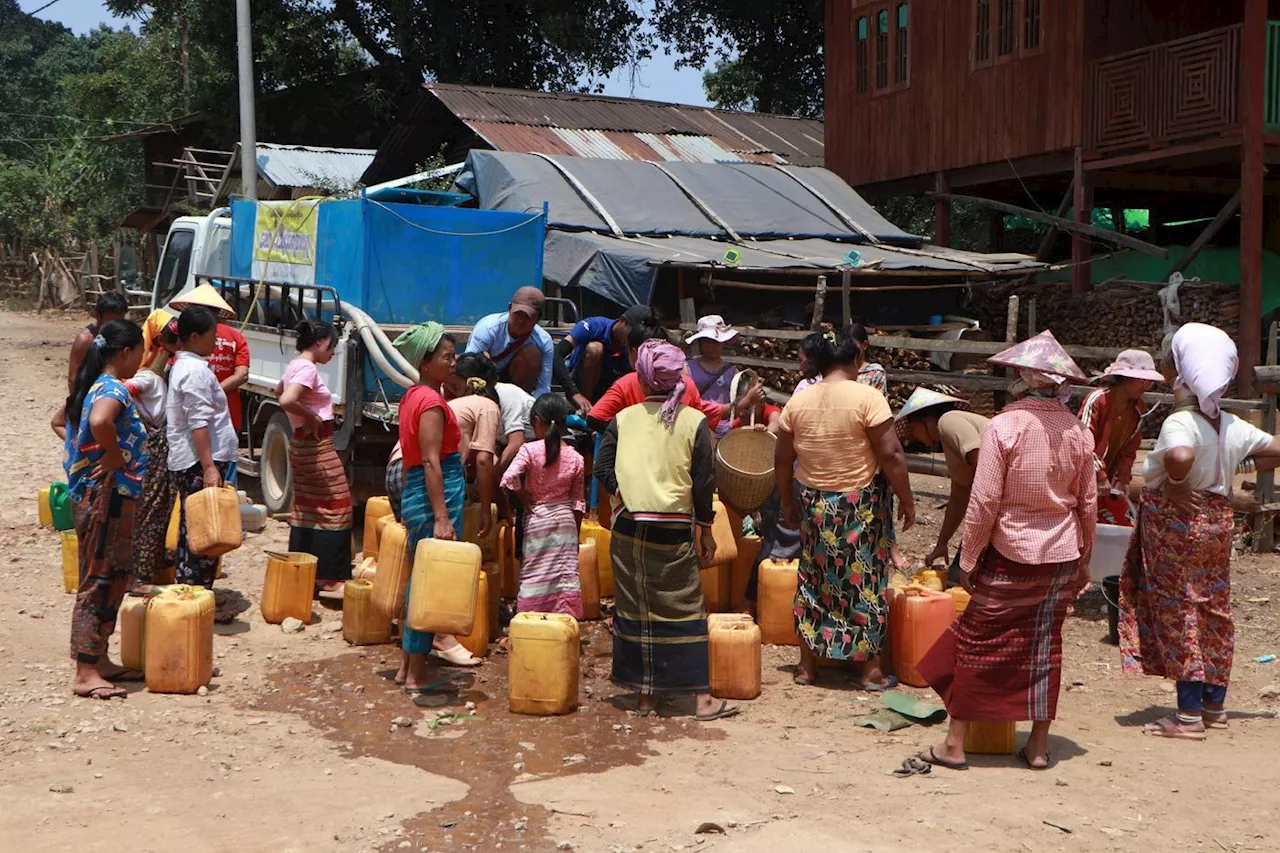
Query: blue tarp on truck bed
{"x":400,"y":263}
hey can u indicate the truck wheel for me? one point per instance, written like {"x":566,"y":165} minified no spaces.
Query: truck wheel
{"x":274,"y":474}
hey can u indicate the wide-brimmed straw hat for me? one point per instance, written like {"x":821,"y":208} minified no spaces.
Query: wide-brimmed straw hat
{"x":921,"y":399}
{"x":713,"y":328}
{"x":1043,"y":354}
{"x":206,"y":295}
{"x":1133,"y":364}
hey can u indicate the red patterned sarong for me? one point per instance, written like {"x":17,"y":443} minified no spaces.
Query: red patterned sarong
{"x":1002,"y":659}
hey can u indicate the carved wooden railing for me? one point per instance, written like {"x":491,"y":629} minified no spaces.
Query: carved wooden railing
{"x":1171,"y":92}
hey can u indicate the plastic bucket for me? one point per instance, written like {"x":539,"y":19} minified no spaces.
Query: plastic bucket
{"x":1111,"y":592}
{"x":1109,"y":550}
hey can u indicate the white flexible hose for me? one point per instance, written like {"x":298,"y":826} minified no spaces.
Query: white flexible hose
{"x":386,"y":356}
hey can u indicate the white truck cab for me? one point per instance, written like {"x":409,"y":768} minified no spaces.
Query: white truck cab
{"x":195,"y":245}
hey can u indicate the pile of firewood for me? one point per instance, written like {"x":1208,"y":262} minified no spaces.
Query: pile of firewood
{"x":1121,"y":315}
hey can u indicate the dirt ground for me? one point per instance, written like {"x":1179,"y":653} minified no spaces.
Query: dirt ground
{"x":295,"y":748}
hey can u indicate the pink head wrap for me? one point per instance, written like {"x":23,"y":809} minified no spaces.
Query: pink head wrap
{"x":1206,"y":360}
{"x":660,"y":366}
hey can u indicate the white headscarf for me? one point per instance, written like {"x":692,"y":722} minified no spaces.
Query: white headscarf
{"x":1206,"y":360}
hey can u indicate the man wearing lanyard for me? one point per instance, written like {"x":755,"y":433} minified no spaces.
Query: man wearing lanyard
{"x":521,"y":349}
{"x":596,"y":354}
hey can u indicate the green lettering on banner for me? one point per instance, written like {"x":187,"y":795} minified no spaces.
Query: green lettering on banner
{"x":285,"y":232}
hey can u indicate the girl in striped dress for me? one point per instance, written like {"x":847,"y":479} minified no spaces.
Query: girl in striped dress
{"x":547,"y":479}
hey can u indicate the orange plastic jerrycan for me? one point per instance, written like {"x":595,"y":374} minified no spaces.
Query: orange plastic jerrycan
{"x":289,"y":587}
{"x":132,"y":621}
{"x":477,"y":642}
{"x":394,"y":565}
{"x":991,"y":738}
{"x":179,"y":642}
{"x":375,"y":508}
{"x":715,"y":588}
{"x":543,"y":672}
{"x":443,"y":591}
{"x":471,"y":531}
{"x":70,"y":561}
{"x":776,"y":602}
{"x":361,"y":624}
{"x":589,"y":579}
{"x":748,"y":550}
{"x":735,"y":659}
{"x":213,"y":521}
{"x":726,"y":543}
{"x":917,"y":618}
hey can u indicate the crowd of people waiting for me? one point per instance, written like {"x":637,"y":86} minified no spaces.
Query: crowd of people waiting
{"x":152,"y":416}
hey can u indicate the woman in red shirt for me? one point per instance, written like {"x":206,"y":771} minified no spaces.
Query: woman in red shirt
{"x":435,"y":488}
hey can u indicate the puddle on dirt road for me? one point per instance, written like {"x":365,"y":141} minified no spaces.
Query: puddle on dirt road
{"x":483,"y":752}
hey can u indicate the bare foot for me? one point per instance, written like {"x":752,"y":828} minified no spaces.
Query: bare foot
{"x":646,"y":704}
{"x":89,"y":684}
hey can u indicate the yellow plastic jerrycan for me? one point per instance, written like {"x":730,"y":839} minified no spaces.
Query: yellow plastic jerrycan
{"x":375,"y":508}
{"x":477,"y":641}
{"x":471,"y":531}
{"x":543,"y":670}
{"x":443,"y":591}
{"x":740,"y":573}
{"x":213,"y":522}
{"x":726,"y":544}
{"x":991,"y":738}
{"x":593,"y":532}
{"x":776,"y":602}
{"x":735,"y":659}
{"x":70,"y":561}
{"x":379,"y":527}
{"x":394,"y":565}
{"x":289,"y":587}
{"x":175,"y":525}
{"x":961,"y":598}
{"x":715,"y":588}
{"x":132,"y":621}
{"x":589,"y":579}
{"x":44,"y":514}
{"x":361,"y":624}
{"x":179,"y":641}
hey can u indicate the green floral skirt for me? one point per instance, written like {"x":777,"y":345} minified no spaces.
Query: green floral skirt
{"x":840,"y":609}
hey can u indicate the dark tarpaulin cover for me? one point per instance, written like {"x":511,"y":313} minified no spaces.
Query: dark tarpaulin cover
{"x":754,"y":199}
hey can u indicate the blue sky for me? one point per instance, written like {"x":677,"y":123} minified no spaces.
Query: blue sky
{"x":659,"y":80}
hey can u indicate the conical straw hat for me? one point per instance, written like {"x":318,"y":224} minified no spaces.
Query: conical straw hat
{"x":208,"y":296}
{"x":923,"y":398}
{"x":1042,"y":353}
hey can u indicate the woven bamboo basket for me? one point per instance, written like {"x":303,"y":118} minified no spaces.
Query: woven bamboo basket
{"x":744,"y":459}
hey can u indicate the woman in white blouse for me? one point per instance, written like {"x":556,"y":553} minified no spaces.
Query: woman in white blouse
{"x":203,"y":448}
{"x":1175,"y":592}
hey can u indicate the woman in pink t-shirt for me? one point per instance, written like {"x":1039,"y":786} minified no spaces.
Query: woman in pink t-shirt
{"x":322,"y":516}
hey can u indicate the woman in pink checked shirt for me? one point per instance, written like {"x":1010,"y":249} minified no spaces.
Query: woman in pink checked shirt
{"x":1028,"y":534}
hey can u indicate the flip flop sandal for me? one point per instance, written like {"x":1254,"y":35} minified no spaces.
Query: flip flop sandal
{"x":889,"y":684}
{"x":721,"y":713}
{"x":913,"y":766}
{"x":103,"y":692}
{"x":1168,"y":727}
{"x":931,"y":757}
{"x":457,"y":656}
{"x":126,"y":675}
{"x":804,"y":680}
{"x":1030,"y":764}
{"x":1219,"y":721}
{"x":432,"y":700}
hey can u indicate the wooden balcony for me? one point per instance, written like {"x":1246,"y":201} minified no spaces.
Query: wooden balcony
{"x":1174,"y":92}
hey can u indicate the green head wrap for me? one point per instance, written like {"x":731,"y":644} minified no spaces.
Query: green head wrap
{"x":419,"y":342}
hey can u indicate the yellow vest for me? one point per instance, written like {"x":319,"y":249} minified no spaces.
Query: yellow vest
{"x":653,"y":463}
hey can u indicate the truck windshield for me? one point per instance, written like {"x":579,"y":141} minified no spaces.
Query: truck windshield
{"x":174,"y":266}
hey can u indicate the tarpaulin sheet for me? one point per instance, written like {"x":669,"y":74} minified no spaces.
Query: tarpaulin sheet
{"x":625,"y":270}
{"x":755,"y":200}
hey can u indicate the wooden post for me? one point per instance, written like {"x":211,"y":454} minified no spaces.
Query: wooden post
{"x":1081,"y":213}
{"x":819,"y":303}
{"x":1051,"y":235}
{"x":1010,"y":337}
{"x":1032,"y":330}
{"x":688,"y":308}
{"x":941,"y":213}
{"x":1264,"y":527}
{"x":846,"y":307}
{"x":1253,"y":63}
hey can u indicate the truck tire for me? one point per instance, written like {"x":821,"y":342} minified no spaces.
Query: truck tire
{"x":274,"y":473}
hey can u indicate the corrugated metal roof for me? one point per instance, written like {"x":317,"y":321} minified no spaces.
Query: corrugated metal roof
{"x":695,"y":134}
{"x":305,"y":166}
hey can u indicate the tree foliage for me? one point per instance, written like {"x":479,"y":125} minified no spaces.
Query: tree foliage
{"x":767,"y":53}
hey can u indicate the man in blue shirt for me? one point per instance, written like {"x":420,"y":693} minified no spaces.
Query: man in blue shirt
{"x":597,"y":355}
{"x":521,"y":349}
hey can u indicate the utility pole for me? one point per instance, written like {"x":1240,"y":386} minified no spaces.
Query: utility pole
{"x":248,"y":125}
